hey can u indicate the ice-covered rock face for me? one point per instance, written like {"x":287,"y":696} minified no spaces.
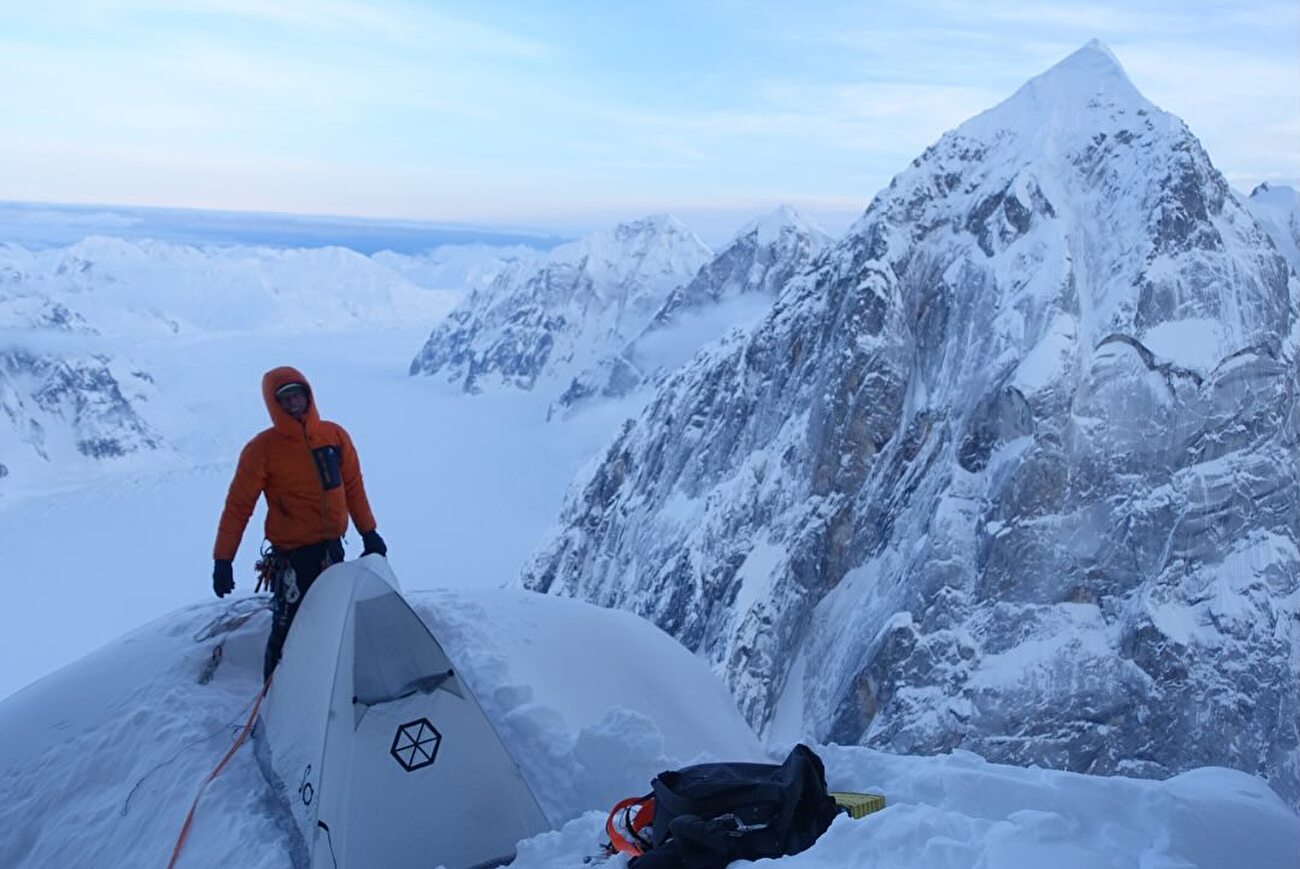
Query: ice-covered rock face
{"x":59,"y":400}
{"x":734,"y":288}
{"x":548,"y":321}
{"x":58,"y":405}
{"x":1013,"y":469}
{"x":761,"y":259}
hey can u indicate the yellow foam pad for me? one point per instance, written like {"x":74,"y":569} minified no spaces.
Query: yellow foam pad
{"x":859,"y":805}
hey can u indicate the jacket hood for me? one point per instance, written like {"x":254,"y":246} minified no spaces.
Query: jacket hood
{"x":273,"y":380}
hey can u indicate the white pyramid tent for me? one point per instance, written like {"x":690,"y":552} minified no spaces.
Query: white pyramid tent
{"x":376,"y":744}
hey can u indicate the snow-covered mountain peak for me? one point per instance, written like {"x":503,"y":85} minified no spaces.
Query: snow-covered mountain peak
{"x":733,"y":289}
{"x":651,"y":224}
{"x":1093,"y":63}
{"x":1088,"y":90}
{"x":1078,"y":162}
{"x":657,"y":247}
{"x":1097,"y":46}
{"x":649,"y":230}
{"x":554,"y":317}
{"x":1090,"y":76}
{"x":768,"y":228}
{"x":976,"y":460}
{"x":1279,"y":194}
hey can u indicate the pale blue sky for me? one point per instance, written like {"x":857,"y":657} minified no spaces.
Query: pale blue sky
{"x":568,"y":115}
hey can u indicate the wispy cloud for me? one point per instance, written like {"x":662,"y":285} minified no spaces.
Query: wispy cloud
{"x":1093,"y":17}
{"x":405,"y":22}
{"x":319,"y":14}
{"x":1243,"y":106}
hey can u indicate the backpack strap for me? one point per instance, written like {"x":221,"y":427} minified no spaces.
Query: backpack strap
{"x":633,"y":842}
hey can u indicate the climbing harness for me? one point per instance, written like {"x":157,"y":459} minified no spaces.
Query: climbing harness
{"x":272,"y":567}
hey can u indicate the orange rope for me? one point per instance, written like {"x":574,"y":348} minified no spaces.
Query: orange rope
{"x":239,"y":740}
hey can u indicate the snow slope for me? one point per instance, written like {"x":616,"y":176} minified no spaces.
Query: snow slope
{"x":99,"y":761}
{"x":1277,"y":208}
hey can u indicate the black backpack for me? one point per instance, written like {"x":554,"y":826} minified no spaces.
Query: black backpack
{"x":708,"y":815}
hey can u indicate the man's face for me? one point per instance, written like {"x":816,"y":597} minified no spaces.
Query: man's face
{"x":293,"y":402}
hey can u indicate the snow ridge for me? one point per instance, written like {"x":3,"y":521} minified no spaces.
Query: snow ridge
{"x":546,"y":321}
{"x":1277,"y":208}
{"x":732,"y":290}
{"x":99,"y":762}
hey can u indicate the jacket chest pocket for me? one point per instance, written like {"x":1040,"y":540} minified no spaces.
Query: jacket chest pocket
{"x":327,"y":466}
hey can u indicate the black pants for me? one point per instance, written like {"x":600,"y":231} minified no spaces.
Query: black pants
{"x":296,"y":570}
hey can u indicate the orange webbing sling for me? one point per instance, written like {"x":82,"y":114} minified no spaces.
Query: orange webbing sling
{"x":239,"y":740}
{"x":633,"y":823}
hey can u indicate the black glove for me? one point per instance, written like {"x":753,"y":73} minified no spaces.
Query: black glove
{"x":223,"y":577}
{"x":372,"y":542}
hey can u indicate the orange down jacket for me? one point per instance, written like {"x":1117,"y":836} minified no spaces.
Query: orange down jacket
{"x":308,"y":472}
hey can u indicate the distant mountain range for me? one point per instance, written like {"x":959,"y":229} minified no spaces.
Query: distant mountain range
{"x":70,"y":316}
{"x":37,"y":224}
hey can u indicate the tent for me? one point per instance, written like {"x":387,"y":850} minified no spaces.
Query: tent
{"x":375,"y":743}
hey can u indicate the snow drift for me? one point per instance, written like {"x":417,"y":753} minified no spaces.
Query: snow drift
{"x":99,"y":761}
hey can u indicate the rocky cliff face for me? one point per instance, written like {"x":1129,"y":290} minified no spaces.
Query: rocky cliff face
{"x":59,"y":400}
{"x":546,"y":322}
{"x":1014,"y":469}
{"x":732,"y":290}
{"x":57,"y":403}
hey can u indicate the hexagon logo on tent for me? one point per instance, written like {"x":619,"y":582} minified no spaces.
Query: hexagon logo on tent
{"x":415,"y":744}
